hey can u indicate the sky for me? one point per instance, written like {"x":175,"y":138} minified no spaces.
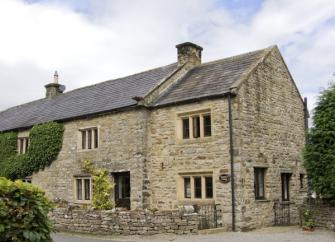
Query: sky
{"x":89,"y":41}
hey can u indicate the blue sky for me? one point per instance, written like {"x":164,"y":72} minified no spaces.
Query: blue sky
{"x":89,"y":41}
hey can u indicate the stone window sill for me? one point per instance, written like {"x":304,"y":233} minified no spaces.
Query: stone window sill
{"x":194,"y":141}
{"x":198,"y":201}
{"x":262,"y":200}
{"x":88,"y":150}
{"x":83,"y":202}
{"x":287,"y":202}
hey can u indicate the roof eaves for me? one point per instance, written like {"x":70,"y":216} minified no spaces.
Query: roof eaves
{"x":85,"y":116}
{"x":192,"y":100}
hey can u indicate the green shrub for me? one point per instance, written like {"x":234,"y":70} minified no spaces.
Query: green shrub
{"x":308,"y":221}
{"x":45,"y":142}
{"x":23,"y":212}
{"x":102,"y":187}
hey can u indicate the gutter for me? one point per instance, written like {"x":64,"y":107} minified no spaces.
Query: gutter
{"x":231,"y":151}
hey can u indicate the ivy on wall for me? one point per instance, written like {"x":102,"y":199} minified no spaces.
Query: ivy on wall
{"x":102,"y":186}
{"x":7,"y":145}
{"x":45,"y":143}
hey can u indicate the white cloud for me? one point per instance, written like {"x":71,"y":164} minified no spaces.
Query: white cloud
{"x":122,"y":37}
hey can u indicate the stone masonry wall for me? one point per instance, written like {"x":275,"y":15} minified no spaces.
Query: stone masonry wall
{"x":169,"y":155}
{"x":323,"y":213}
{"x":122,"y":147}
{"x":269,"y":132}
{"x":138,"y":222}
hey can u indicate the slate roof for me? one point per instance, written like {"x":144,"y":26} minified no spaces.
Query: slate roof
{"x":212,"y":78}
{"x":98,"y":98}
{"x":208,"y":79}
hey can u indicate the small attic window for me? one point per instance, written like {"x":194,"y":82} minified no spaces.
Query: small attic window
{"x":22,"y":145}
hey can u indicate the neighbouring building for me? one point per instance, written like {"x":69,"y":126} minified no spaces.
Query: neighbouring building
{"x":228,"y":132}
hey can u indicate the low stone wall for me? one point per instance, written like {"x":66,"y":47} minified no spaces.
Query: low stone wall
{"x":323,"y":213}
{"x":124,"y":222}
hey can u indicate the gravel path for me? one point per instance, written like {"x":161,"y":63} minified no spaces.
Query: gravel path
{"x":273,"y":234}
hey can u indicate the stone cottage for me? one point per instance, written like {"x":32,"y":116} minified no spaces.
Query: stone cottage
{"x":228,"y":132}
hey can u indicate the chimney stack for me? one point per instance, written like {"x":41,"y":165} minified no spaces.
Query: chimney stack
{"x":54,"y":89}
{"x":189,"y":53}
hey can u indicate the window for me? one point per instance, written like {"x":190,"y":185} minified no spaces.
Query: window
{"x":186,"y":128}
{"x":27,"y":180}
{"x":187,"y":187}
{"x":22,"y":145}
{"x":285,"y":184}
{"x":83,"y":188}
{"x":259,"y":175}
{"x":89,"y":139}
{"x":302,"y":181}
{"x":207,"y":125}
{"x":196,"y":126}
{"x":209,"y":187}
{"x":198,"y":187}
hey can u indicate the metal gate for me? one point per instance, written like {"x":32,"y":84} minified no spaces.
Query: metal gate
{"x":281,"y":213}
{"x":210,"y":216}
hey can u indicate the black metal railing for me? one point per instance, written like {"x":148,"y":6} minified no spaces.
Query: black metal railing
{"x":281,"y":213}
{"x":209,"y":216}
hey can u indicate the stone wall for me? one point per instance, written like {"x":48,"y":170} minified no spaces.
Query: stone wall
{"x":122,"y":147}
{"x":268,"y":121}
{"x":137,"y":222}
{"x":323,"y":213}
{"x":170,"y":155}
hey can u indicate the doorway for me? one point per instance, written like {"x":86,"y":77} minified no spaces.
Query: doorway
{"x":122,"y":189}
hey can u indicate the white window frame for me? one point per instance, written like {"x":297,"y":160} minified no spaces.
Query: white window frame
{"x":82,"y":178}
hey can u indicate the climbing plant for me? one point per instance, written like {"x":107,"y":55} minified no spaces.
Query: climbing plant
{"x":7,"y":145}
{"x":45,"y":142}
{"x":102,"y":186}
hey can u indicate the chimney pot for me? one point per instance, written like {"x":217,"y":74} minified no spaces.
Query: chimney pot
{"x":189,"y":53}
{"x":54,"y":89}
{"x":56,"y":77}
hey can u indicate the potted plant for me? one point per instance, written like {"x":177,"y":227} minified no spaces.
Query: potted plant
{"x":308,"y":222}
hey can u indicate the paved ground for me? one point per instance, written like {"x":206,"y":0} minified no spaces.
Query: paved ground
{"x":274,"y":234}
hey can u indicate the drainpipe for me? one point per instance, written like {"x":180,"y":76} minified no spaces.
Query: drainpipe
{"x":231,"y":160}
{"x":309,"y":192}
{"x":306,"y":119}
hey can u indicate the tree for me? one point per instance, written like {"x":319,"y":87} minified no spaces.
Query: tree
{"x":319,"y":154}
